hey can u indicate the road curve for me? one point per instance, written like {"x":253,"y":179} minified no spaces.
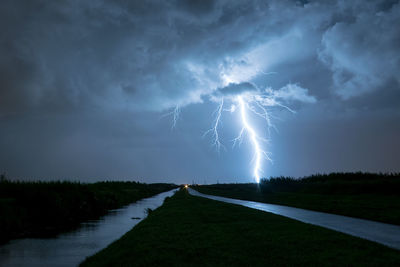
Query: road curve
{"x":382,"y":233}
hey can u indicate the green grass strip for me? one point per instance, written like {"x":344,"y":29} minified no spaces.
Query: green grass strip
{"x":193,"y":231}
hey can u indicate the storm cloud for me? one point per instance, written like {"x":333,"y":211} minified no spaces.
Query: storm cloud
{"x":153,"y":55}
{"x":77,"y":62}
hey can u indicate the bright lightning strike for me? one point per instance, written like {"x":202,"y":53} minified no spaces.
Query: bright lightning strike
{"x":258,"y":152}
{"x":243,"y":105}
{"x":254,"y":102}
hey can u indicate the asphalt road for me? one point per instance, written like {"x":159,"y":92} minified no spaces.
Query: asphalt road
{"x":386,"y":234}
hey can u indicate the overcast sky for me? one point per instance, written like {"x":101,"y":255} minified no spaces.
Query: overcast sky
{"x":86,"y":88}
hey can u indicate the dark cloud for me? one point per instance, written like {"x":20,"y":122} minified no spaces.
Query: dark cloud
{"x":74,"y":63}
{"x":233,"y":89}
{"x":153,"y":55}
{"x":198,"y":7}
{"x":363,"y":54}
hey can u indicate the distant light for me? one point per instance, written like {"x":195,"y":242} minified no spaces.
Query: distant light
{"x":186,"y":186}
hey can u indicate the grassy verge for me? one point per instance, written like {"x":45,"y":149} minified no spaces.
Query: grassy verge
{"x":363,"y":195}
{"x":193,"y":231}
{"x":42,"y":209}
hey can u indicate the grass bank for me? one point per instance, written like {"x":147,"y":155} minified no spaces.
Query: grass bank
{"x":43,"y":209}
{"x":363,"y":195}
{"x":193,"y":231}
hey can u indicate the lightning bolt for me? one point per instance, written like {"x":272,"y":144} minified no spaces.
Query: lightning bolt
{"x":256,"y":103}
{"x":254,"y":138}
{"x":175,"y":115}
{"x":214,"y":129}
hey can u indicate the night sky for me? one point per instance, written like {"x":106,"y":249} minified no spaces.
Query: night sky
{"x":86,"y":87}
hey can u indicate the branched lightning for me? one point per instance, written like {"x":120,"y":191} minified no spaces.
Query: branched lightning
{"x":214,"y":129}
{"x":175,"y":115}
{"x":252,"y":102}
{"x":253,"y":136}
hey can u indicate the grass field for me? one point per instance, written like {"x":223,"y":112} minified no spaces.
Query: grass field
{"x":42,"y":209}
{"x":363,"y":195}
{"x":193,"y":231}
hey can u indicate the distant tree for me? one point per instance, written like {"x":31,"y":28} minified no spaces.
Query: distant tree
{"x":3,"y":177}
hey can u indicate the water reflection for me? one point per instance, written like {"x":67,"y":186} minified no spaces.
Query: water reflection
{"x":69,"y":249}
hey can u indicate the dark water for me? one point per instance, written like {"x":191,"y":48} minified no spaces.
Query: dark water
{"x":386,"y":234}
{"x":69,"y":249}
